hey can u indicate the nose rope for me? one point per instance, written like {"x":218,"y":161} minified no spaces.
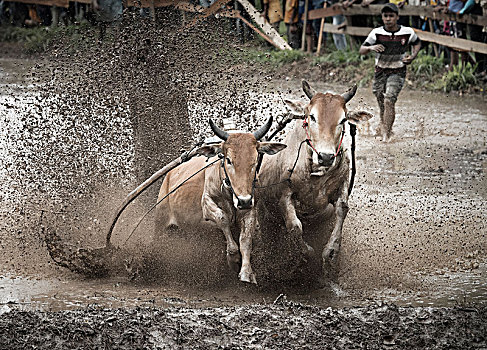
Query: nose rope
{"x":308,"y":138}
{"x":340,"y":144}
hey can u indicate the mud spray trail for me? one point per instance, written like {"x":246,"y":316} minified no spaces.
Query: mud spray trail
{"x":84,"y":124}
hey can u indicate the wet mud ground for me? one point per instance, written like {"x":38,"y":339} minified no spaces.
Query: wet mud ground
{"x":412,"y":269}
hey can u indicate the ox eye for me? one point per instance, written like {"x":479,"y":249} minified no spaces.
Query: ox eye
{"x":343,"y":121}
{"x":312,"y":117}
{"x":229,"y":162}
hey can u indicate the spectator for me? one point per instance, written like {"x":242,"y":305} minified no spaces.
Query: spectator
{"x":309,"y":25}
{"x":339,"y":39}
{"x":476,"y":33}
{"x":107,"y":12}
{"x":293,"y":27}
{"x":390,"y":43}
{"x":457,"y":30}
{"x":273,"y":13}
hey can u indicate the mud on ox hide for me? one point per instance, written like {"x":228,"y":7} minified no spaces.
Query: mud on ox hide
{"x":220,"y":193}
{"x":321,"y":174}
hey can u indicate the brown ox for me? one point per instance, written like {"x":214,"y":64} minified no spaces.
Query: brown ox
{"x":321,"y":174}
{"x":220,"y":193}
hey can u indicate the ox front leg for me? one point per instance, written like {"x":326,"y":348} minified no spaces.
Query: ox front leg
{"x":294,"y":226}
{"x":212,"y":212}
{"x":247,"y":228}
{"x":332,"y":248}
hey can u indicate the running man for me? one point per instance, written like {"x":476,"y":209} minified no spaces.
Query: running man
{"x":390,"y":43}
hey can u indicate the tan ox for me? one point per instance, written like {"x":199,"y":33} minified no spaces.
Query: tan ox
{"x":322,"y":168}
{"x":220,"y":193}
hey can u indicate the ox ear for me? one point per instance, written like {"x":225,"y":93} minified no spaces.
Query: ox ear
{"x":297,"y":108}
{"x":270,"y":147}
{"x":358,"y":117}
{"x":210,"y":150}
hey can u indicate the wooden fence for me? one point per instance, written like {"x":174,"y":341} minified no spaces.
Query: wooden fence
{"x":269,"y":34}
{"x":429,"y":12}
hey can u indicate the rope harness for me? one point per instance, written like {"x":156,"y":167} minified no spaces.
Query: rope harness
{"x":167,"y":195}
{"x":227,"y":183}
{"x":290,"y":170}
{"x":308,"y":137}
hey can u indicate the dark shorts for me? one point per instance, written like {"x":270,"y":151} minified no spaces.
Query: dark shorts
{"x":388,"y":85}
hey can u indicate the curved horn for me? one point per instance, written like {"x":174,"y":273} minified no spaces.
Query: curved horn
{"x":264,"y":129}
{"x":350,"y":93}
{"x":308,"y":90}
{"x":218,"y":132}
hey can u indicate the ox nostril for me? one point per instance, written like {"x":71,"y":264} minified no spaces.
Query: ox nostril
{"x":325,"y":158}
{"x":244,"y":202}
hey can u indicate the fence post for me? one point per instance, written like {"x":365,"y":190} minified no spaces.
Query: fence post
{"x":305,"y":23}
{"x":320,"y":36}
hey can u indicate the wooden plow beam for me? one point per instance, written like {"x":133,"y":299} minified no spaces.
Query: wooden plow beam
{"x":269,"y":34}
{"x":454,"y":43}
{"x":266,"y":27}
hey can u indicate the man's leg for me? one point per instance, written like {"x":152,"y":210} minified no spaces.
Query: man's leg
{"x":394,"y":85}
{"x":378,"y":88}
{"x":339,"y":39}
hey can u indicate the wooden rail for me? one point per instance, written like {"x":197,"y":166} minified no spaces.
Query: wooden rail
{"x":337,"y":9}
{"x":373,"y":10}
{"x":454,"y":43}
{"x":445,"y":40}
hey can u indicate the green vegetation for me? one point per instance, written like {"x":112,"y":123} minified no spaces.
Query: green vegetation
{"x":37,"y":39}
{"x":460,"y":78}
{"x":426,"y":71}
{"x":338,"y":57}
{"x":24,"y":35}
{"x":426,"y":66}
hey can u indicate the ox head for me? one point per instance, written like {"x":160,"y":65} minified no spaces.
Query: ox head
{"x":326,"y":114}
{"x":240,"y":152}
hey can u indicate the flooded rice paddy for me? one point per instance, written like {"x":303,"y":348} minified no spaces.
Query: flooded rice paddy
{"x":414,"y":236}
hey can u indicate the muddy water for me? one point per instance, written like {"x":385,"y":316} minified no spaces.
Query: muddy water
{"x":415,"y":233}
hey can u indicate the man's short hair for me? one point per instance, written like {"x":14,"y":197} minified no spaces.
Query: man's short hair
{"x":390,"y":7}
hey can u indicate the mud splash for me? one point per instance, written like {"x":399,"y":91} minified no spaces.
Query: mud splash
{"x":83,"y":127}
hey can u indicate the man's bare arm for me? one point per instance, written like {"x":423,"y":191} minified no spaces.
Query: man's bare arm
{"x":375,"y":48}
{"x":414,"y":52}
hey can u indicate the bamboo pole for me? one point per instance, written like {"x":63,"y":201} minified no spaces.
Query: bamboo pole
{"x":435,"y":47}
{"x":303,"y":36}
{"x":320,"y":36}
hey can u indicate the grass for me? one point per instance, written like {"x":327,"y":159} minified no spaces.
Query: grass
{"x":37,"y":39}
{"x":426,"y":66}
{"x":338,"y":57}
{"x":460,"y":78}
{"x":425,"y":70}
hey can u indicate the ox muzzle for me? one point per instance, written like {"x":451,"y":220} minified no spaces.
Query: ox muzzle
{"x":243,"y":202}
{"x":326,"y":159}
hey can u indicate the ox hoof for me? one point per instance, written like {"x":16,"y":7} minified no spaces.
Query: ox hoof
{"x":248,"y":277}
{"x":233,"y":261}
